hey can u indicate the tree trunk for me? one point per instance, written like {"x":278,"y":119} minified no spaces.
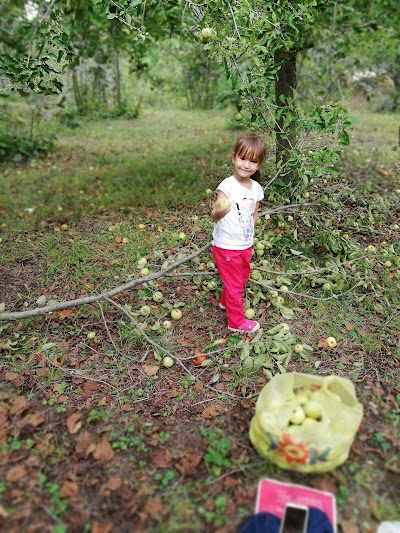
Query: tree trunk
{"x":77,"y":92}
{"x":117,"y":82}
{"x":285,"y":85}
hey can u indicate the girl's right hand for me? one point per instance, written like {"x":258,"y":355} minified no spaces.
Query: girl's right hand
{"x":221,"y":207}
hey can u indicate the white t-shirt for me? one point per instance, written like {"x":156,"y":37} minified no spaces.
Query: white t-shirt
{"x":236,"y":229}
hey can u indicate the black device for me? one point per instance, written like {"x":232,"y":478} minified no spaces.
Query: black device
{"x":294,"y":519}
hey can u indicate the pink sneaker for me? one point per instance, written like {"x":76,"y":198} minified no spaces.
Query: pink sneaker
{"x":248,"y":326}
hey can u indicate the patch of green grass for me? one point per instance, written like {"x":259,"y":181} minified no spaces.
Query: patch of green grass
{"x":163,"y":159}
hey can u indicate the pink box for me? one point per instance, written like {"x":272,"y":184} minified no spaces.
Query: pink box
{"x":272,"y":497}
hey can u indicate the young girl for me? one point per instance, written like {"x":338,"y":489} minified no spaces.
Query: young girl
{"x":235,"y":211}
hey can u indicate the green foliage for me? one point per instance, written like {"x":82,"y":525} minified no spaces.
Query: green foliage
{"x":217,"y":453}
{"x":20,"y":147}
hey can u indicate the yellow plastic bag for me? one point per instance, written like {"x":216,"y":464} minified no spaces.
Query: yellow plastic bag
{"x":320,"y":442}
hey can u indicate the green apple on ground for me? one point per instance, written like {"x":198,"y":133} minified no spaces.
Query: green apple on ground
{"x":168,"y":361}
{"x":249,"y":313}
{"x":209,"y":192}
{"x":370,"y":248}
{"x":142,"y":262}
{"x":145,"y":310}
{"x":145,"y":271}
{"x":284,"y":288}
{"x":331,"y":342}
{"x":176,"y":314}
{"x":91,"y":335}
{"x":299,"y":348}
{"x":158,"y":297}
{"x":167,"y":324}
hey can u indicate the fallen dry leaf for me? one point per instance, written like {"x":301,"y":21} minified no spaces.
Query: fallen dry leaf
{"x":323,"y":344}
{"x":74,"y":423}
{"x":348,"y":527}
{"x":213,"y":410}
{"x":65,"y":313}
{"x":103,"y":451}
{"x":16,"y":473}
{"x":11,"y":376}
{"x":19,"y":406}
{"x":154,"y":507}
{"x":150,"y":370}
{"x":3,"y":414}
{"x":84,"y":444}
{"x":187,"y":466}
{"x":69,"y":489}
{"x":324,"y":483}
{"x":101,"y":528}
{"x":161,"y":458}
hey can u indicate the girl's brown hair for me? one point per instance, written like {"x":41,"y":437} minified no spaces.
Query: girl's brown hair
{"x":251,"y":146}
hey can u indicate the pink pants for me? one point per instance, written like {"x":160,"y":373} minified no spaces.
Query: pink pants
{"x":234,"y":268}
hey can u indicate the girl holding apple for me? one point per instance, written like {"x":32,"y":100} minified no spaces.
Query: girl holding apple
{"x":235,"y":212}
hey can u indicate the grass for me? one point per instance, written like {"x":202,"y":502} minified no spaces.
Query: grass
{"x":162,"y":159}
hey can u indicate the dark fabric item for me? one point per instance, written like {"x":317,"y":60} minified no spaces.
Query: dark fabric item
{"x":261,"y":523}
{"x":318,"y":522}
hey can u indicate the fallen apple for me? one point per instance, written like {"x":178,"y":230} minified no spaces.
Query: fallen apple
{"x":259,"y":252}
{"x":299,"y":348}
{"x":284,"y":288}
{"x":142,"y":262}
{"x":198,"y":360}
{"x":209,"y":192}
{"x":168,"y":361}
{"x":91,"y":335}
{"x":145,"y":310}
{"x":256,"y":275}
{"x":370,"y":248}
{"x":331,"y":342}
{"x":249,"y":313}
{"x":176,"y":314}
{"x":167,"y":324}
{"x":145,"y":271}
{"x":158,"y":297}
{"x":298,"y":416}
